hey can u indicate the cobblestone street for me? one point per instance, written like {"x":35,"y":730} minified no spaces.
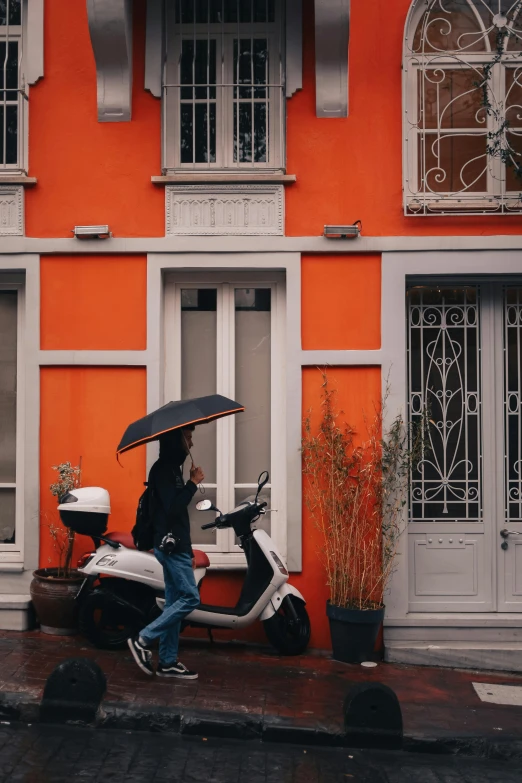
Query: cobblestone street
{"x":51,"y":754}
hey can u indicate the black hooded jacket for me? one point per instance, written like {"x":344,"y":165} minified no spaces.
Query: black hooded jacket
{"x":170,"y":511}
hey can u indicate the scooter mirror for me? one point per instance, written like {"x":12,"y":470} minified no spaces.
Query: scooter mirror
{"x":262,"y":480}
{"x":204,"y":505}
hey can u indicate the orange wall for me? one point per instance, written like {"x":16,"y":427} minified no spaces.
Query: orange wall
{"x":90,"y":172}
{"x":84,"y":412}
{"x":351,"y":169}
{"x":341,"y":302}
{"x":93,"y":302}
{"x":347,"y":169}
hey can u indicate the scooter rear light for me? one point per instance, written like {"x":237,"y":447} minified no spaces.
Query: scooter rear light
{"x":85,"y":559}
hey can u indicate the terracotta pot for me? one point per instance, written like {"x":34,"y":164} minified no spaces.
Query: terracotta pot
{"x":54,"y":601}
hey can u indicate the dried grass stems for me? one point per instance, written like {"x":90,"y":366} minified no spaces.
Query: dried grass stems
{"x":69,"y":477}
{"x":356,"y":496}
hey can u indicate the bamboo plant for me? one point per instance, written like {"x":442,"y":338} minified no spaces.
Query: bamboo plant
{"x":356,"y":493}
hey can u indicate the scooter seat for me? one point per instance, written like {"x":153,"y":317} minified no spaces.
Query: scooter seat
{"x":126,"y":540}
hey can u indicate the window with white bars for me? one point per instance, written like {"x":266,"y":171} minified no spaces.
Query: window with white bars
{"x":228,"y":338}
{"x":463,"y":341}
{"x":223,"y":104}
{"x":12,"y":86}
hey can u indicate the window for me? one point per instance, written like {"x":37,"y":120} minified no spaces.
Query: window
{"x":462,"y":99}
{"x":12,"y":88}
{"x":226,"y":337}
{"x":10,"y":500}
{"x":223,"y":87}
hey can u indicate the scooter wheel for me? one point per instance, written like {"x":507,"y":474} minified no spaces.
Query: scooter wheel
{"x":284,"y":633}
{"x":106,"y":623}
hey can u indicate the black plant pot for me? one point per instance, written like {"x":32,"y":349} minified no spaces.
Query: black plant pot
{"x":354,"y":632}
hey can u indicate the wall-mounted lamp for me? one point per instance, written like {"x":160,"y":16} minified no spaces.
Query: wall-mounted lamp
{"x":343,"y":232}
{"x":91,"y":232}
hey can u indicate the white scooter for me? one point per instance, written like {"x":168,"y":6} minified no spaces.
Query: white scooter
{"x":124,"y":588}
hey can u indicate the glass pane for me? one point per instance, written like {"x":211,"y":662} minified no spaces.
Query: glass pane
{"x":8,"y":348}
{"x":198,"y":121}
{"x":453,"y":26}
{"x":264,"y":522}
{"x":198,"y":367}
{"x":513,"y":402}
{"x":514,"y":160}
{"x":249,"y":10}
{"x":9,"y":69}
{"x":15,"y":12}
{"x":253,"y":382}
{"x":452,"y":163}
{"x":7,"y":516}
{"x":198,"y":536}
{"x":186,"y":133}
{"x":444,"y":379}
{"x":450,"y":98}
{"x":243,"y":129}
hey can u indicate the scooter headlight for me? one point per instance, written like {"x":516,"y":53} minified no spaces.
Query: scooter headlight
{"x":279,"y":564}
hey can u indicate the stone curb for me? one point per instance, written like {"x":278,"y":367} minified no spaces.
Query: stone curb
{"x":124,"y":716}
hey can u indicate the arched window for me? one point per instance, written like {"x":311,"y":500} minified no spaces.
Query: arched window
{"x":463,"y":107}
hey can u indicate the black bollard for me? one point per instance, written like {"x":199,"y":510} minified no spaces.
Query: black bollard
{"x":73,"y":692}
{"x":372,"y":717}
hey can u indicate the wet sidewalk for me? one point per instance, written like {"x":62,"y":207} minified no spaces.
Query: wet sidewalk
{"x":239,"y":684}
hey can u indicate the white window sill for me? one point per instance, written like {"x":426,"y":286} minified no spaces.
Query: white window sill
{"x":11,"y":568}
{"x":221,"y":177}
{"x":227,"y":561}
{"x":17,"y":179}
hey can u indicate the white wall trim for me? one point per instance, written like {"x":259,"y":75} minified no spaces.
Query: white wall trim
{"x":154,"y":47}
{"x":34,"y":45}
{"x":322,"y":357}
{"x":332,"y":29}
{"x":271,"y":244}
{"x":294,"y":46}
{"x":110,"y":27}
{"x":93,"y":358}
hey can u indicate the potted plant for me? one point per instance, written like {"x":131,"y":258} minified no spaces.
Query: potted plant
{"x":53,"y":590}
{"x":356,"y":493}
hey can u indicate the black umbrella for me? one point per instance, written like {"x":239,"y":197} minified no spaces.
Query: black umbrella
{"x":174,"y":415}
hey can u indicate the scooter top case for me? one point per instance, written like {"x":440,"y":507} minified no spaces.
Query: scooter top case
{"x":86,"y":510}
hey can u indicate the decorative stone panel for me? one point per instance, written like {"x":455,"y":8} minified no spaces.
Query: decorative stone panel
{"x":225,"y":210}
{"x":11,"y":211}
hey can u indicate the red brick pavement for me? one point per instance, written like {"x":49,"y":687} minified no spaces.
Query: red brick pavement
{"x":236,"y":678}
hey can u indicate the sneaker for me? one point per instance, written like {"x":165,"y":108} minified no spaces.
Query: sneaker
{"x":176,"y":670}
{"x":141,"y":655}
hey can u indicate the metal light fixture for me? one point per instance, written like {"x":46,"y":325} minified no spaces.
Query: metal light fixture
{"x":92,"y":232}
{"x":343,"y":232}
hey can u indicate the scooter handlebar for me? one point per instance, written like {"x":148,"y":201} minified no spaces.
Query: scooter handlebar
{"x":207,"y":527}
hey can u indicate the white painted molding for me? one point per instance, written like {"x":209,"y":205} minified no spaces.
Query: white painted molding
{"x":251,"y":210}
{"x":263,"y":244}
{"x":93,"y":358}
{"x":34,"y":45}
{"x":294,"y":46}
{"x":11,"y":210}
{"x":332,"y":27}
{"x":321,"y":358}
{"x":154,"y":47}
{"x":110,"y":26}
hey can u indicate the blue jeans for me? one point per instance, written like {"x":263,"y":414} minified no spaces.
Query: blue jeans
{"x":181,"y":598}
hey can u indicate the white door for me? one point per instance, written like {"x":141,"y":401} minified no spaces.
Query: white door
{"x":465,"y":367}
{"x":509,"y":540}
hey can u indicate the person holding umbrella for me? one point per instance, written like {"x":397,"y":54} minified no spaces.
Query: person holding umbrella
{"x":172,"y":425}
{"x":173,"y":549}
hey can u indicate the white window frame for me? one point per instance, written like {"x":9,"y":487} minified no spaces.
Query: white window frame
{"x":224,"y":36}
{"x":14,"y":553}
{"x":18,"y":33}
{"x":419,"y":200}
{"x":225,"y":553}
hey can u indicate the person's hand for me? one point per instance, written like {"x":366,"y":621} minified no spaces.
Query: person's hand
{"x":193,"y":563}
{"x":196,"y":475}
